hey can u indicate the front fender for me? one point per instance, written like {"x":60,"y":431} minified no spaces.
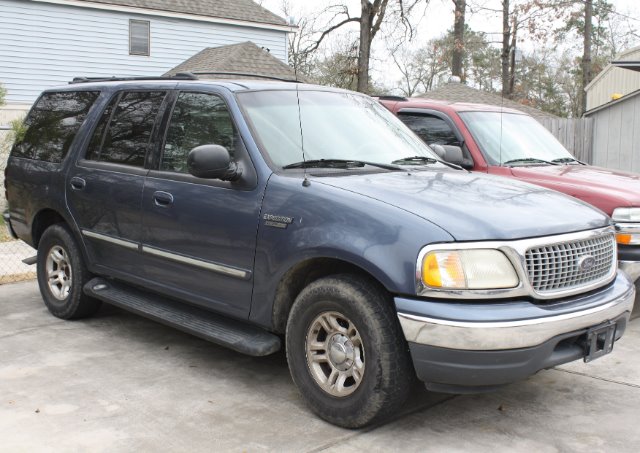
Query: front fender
{"x":321,"y":221}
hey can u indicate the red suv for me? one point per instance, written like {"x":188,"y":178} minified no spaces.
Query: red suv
{"x":507,"y":142}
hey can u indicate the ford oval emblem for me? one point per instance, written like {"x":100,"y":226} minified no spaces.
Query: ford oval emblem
{"x":586,"y":263}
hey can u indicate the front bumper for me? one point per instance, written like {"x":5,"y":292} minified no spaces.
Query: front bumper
{"x":487,"y":344}
{"x":629,"y":260}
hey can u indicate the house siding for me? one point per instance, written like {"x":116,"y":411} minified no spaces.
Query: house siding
{"x":616,"y":135}
{"x":44,"y":45}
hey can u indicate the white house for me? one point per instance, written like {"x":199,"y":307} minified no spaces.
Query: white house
{"x":44,"y":43}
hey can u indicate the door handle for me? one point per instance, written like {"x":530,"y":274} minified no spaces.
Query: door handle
{"x":163,"y":199}
{"x":78,"y":183}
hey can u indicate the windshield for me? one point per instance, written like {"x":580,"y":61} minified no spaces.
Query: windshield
{"x":509,"y":137}
{"x":334,"y":125}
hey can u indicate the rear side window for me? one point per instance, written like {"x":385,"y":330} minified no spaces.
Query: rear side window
{"x":52,"y":125}
{"x":431,"y":129}
{"x":123,"y":133}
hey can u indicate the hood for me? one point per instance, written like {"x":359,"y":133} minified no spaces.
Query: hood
{"x":475,"y":206}
{"x":604,"y":188}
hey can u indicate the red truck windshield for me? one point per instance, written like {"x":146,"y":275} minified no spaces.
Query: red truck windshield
{"x":509,"y":137}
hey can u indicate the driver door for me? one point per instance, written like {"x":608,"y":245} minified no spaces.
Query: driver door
{"x":199,"y":235}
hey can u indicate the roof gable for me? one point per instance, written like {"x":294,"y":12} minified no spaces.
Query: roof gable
{"x":242,"y":58}
{"x":459,"y":92}
{"x":241,"y":10}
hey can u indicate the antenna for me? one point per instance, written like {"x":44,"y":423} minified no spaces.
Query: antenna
{"x":501,"y":115}
{"x":305,"y":182}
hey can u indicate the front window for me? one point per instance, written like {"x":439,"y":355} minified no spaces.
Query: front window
{"x":509,"y":138}
{"x":328,"y":125}
{"x":197,"y":119}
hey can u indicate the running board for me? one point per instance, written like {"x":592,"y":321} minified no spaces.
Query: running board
{"x":230,"y":333}
{"x":31,"y":260}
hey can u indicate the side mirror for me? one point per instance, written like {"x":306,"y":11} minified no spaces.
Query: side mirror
{"x":212,"y":162}
{"x":439,"y":150}
{"x":453,"y":154}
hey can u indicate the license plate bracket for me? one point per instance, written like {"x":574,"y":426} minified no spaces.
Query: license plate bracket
{"x":600,"y":341}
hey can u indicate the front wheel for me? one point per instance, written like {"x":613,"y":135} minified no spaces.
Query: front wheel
{"x":62,"y":274}
{"x":346,"y":352}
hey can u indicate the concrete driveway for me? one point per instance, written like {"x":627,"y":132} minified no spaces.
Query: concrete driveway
{"x":118,"y":382}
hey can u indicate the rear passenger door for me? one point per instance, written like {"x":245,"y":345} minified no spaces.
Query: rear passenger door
{"x":199,"y":235}
{"x":104,"y":188}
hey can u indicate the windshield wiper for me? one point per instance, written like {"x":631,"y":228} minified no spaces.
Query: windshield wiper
{"x":532,"y":160}
{"x":567,"y":160}
{"x":415,"y":159}
{"x":337,"y":163}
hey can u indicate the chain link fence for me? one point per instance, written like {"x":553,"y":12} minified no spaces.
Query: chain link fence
{"x":12,"y":252}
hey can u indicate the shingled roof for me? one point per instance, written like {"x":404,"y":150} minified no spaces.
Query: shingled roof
{"x":459,"y":92}
{"x":242,"y":58}
{"x":244,"y":10}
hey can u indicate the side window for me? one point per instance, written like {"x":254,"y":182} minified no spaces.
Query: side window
{"x":52,"y":125}
{"x":431,"y":129}
{"x":197,"y":119}
{"x":130,"y":118}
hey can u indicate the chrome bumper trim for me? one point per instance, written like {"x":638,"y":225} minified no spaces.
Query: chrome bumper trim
{"x":631,"y":268}
{"x":489,"y":336}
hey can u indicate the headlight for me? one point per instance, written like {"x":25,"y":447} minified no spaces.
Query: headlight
{"x":627,"y":232}
{"x":468,"y":269}
{"x":626,"y":215}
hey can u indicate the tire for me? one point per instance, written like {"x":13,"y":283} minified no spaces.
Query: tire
{"x":345,"y":324}
{"x":62,"y":275}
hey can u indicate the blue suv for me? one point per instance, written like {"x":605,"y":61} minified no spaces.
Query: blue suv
{"x":262,"y":214}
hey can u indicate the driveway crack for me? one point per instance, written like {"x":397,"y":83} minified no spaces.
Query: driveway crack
{"x":613,"y":381}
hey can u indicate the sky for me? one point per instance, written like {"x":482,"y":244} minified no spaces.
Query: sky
{"x":437,"y":20}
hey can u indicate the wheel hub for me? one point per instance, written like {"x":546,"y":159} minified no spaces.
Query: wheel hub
{"x":341,"y":352}
{"x":59,"y":275}
{"x":335,"y":354}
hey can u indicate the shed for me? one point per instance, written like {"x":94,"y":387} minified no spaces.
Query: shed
{"x":616,"y":132}
{"x":614,"y":81}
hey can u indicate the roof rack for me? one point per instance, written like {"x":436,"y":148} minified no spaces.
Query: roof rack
{"x":246,"y":74}
{"x":178,"y":76}
{"x":391,"y":97}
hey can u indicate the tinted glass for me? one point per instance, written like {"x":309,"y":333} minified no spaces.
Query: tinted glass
{"x":197,"y":119}
{"x":505,"y":137}
{"x":335,"y":125}
{"x":431,"y":129}
{"x":52,"y":125}
{"x":127,"y":138}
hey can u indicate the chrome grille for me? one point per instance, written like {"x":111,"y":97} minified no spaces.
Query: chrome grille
{"x":558,"y":267}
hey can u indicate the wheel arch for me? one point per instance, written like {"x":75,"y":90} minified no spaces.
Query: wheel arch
{"x":300,"y":275}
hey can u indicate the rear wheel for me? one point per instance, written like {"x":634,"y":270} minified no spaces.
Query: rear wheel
{"x":62,"y":274}
{"x":346,"y":352}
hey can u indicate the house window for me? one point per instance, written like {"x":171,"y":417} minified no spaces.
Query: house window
{"x":139,"y":37}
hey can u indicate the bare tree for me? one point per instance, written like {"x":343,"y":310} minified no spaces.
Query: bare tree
{"x":373,"y":13}
{"x":422,"y":68}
